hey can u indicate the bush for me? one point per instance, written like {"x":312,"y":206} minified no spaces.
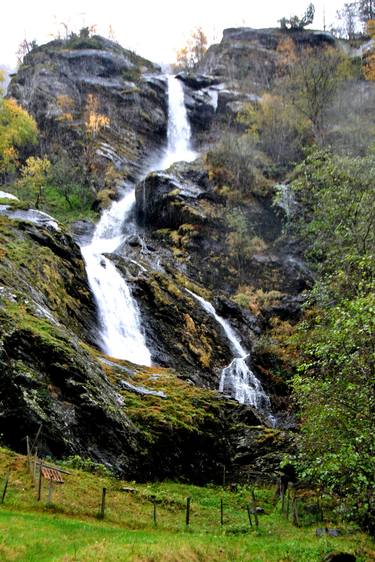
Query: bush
{"x":87,"y":465}
{"x":235,"y":161}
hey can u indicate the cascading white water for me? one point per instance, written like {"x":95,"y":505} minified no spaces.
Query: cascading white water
{"x":179,"y":132}
{"x":237,"y":379}
{"x":119,"y":318}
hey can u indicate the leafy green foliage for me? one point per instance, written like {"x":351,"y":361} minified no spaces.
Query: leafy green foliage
{"x":335,"y":383}
{"x":337,"y":196}
{"x":335,"y":391}
{"x":87,"y":465}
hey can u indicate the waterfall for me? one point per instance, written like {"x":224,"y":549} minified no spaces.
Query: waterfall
{"x":238,"y":380}
{"x":179,"y":132}
{"x":121,"y":333}
{"x":119,"y":318}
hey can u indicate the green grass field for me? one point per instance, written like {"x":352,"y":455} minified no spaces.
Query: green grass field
{"x":69,"y":529}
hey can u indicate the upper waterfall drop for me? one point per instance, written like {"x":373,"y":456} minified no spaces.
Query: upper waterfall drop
{"x":179,"y":131}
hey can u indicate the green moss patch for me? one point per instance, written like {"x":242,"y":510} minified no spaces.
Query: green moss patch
{"x":185,"y":407}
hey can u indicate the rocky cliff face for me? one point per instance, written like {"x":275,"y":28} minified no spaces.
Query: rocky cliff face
{"x":55,"y":83}
{"x":140,"y":422}
{"x":238,"y":70}
{"x":169,"y":415}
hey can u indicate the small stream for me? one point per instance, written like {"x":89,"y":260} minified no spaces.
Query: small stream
{"x":237,"y":379}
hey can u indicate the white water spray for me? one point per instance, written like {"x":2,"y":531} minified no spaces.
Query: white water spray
{"x":237,"y":379}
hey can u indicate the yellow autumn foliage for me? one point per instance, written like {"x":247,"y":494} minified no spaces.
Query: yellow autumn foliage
{"x":369,"y":61}
{"x":17,"y":129}
{"x":94,"y":120}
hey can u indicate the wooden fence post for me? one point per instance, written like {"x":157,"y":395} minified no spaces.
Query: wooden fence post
{"x":255,"y":509}
{"x":39,"y":481}
{"x":154,"y":514}
{"x":28,"y":453}
{"x":5,"y":488}
{"x":102,"y":506}
{"x":35,"y":464}
{"x":249,"y":515}
{"x":295,"y":511}
{"x":36,"y":439}
{"x":221,"y":512}
{"x":187,"y":520}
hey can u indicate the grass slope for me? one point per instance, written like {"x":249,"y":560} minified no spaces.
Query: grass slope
{"x":70,"y":531}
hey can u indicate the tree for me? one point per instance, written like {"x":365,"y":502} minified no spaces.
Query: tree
{"x":17,"y":131}
{"x":311,"y":81}
{"x":24,"y":48}
{"x":241,"y":240}
{"x":338,"y":221}
{"x":65,"y":176}
{"x":366,"y":10}
{"x":34,"y":176}
{"x":189,"y":56}
{"x":281,"y":131}
{"x":348,"y":15}
{"x":298,"y":24}
{"x":334,"y":390}
{"x":335,"y":384}
{"x":235,"y":161}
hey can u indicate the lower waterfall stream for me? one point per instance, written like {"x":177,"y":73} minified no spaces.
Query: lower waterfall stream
{"x":237,"y":379}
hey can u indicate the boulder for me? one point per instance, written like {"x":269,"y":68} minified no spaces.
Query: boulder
{"x":171,"y":198}
{"x":197,"y":81}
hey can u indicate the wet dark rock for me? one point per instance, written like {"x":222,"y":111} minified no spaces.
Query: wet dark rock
{"x":134,"y":240}
{"x":340,"y":557}
{"x":82,"y":231}
{"x":169,"y":199}
{"x":200,"y":108}
{"x":197,"y":81}
{"x":39,"y":218}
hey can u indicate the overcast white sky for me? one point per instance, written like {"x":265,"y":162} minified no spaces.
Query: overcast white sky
{"x":153,"y":28}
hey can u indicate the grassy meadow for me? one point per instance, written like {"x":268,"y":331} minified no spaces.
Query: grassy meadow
{"x":70,"y":529}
